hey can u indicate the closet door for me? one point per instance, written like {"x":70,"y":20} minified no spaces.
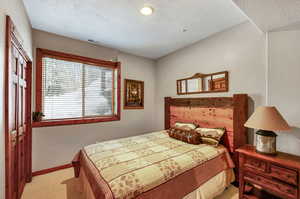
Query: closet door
{"x":21,"y":124}
{"x":12,"y":138}
{"x":18,"y":123}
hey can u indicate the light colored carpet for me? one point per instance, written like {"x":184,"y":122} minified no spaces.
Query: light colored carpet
{"x":57,"y":185}
{"x":63,"y":185}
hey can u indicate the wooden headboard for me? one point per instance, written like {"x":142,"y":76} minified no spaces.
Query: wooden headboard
{"x":215,"y":112}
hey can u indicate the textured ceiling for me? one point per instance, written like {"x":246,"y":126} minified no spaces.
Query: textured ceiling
{"x":119,"y":24}
{"x":272,"y":15}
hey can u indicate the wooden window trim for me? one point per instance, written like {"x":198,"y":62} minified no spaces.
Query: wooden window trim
{"x":40,"y":54}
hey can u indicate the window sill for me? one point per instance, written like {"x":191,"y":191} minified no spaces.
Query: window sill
{"x":48,"y":123}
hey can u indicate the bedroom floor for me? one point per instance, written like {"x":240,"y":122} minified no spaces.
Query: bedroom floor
{"x":62,"y":185}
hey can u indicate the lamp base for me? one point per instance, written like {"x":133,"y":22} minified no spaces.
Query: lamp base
{"x":266,"y":142}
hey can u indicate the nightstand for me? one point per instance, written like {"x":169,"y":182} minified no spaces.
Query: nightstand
{"x":266,"y":177}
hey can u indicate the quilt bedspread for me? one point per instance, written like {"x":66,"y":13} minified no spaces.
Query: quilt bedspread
{"x":134,"y":165}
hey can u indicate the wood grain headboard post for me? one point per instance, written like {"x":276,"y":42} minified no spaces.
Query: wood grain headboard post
{"x":167,"y":112}
{"x":240,"y":116}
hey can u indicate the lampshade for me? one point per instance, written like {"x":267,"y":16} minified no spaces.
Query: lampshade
{"x":267,"y":118}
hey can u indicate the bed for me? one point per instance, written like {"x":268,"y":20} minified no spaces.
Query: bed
{"x":153,"y":165}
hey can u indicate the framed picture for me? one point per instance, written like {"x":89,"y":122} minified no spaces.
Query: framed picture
{"x":133,"y":94}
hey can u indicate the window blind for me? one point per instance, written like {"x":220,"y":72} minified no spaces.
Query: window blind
{"x":76,"y":90}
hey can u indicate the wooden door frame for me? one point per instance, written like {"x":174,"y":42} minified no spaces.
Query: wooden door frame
{"x":12,"y":36}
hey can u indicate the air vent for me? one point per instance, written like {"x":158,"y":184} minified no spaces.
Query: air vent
{"x":91,"y":41}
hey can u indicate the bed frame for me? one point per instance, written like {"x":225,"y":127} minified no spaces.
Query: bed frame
{"x":218,"y":112}
{"x":213,"y":112}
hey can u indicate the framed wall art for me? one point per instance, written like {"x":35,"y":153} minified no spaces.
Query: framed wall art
{"x":133,"y":94}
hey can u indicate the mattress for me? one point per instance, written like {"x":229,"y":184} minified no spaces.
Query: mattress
{"x":152,"y":165}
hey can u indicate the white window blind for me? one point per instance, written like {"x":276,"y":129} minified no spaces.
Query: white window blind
{"x":77,"y":90}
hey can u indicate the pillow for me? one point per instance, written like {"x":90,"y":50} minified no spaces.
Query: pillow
{"x":187,"y":126}
{"x":211,"y":136}
{"x":188,"y":136}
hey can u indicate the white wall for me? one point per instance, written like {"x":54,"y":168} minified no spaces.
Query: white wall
{"x":240,"y":50}
{"x":284,"y":81}
{"x":54,"y":146}
{"x":15,"y":9}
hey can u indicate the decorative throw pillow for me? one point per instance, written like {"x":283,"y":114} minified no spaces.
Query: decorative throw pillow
{"x":211,"y":136}
{"x":187,"y":126}
{"x":188,"y":136}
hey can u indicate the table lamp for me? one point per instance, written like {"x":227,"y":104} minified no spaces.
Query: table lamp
{"x":267,"y":119}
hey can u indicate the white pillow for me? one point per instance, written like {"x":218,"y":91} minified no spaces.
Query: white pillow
{"x":211,"y":136}
{"x":189,"y":125}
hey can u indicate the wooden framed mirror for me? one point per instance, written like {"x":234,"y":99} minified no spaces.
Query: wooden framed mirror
{"x":203,"y":83}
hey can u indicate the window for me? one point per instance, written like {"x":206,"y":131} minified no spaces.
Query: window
{"x":73,"y":90}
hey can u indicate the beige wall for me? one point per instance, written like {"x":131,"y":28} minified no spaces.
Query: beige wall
{"x":284,"y":81}
{"x":54,"y":146}
{"x":15,"y":9}
{"x":240,"y":50}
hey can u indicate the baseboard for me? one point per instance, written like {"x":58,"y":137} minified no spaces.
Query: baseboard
{"x":45,"y":171}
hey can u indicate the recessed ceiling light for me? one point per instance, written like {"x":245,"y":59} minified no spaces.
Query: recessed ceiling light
{"x":147,"y":10}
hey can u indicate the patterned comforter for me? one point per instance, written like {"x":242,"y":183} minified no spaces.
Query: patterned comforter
{"x":134,"y":165}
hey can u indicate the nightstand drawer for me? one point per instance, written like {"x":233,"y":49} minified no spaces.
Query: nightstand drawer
{"x":284,"y":174}
{"x":256,"y":164}
{"x":272,"y":185}
{"x":264,"y":177}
